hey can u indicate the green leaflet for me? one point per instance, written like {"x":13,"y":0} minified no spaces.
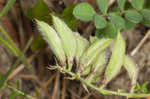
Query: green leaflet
{"x":92,"y":52}
{"x":121,"y":4}
{"x":117,"y":20}
{"x":53,"y":40}
{"x":131,"y":68}
{"x":84,"y":11}
{"x":103,"y":5}
{"x":99,"y":21}
{"x":116,"y":60}
{"x":67,"y":38}
{"x":137,"y":4}
{"x":98,"y":68}
{"x":133,"y":16}
{"x":82,"y":44}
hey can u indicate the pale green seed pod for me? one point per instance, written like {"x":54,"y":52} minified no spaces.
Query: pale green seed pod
{"x":93,"y":39}
{"x":82,"y":45}
{"x":131,"y":68}
{"x":92,"y":52}
{"x":116,"y":60}
{"x":67,"y":38}
{"x":53,"y":40}
{"x":98,"y":68}
{"x":87,"y":70}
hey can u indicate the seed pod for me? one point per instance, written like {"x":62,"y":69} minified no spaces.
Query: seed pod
{"x":98,"y":68}
{"x":92,"y":52}
{"x":67,"y":38}
{"x":87,"y":70}
{"x":53,"y":40}
{"x":116,"y":60}
{"x":82,"y":44}
{"x":131,"y":68}
{"x":93,"y":39}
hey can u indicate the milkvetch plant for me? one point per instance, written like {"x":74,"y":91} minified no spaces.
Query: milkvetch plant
{"x":90,"y":57}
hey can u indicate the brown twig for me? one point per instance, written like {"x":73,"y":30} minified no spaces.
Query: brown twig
{"x":47,"y":83}
{"x":56,"y":91}
{"x":141,"y":43}
{"x":64,"y":89}
{"x":22,"y":66}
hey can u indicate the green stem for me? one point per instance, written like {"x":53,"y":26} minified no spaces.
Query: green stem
{"x":18,"y":91}
{"x":6,"y":8}
{"x":105,"y":91}
{"x":5,"y":77}
{"x":13,"y":45}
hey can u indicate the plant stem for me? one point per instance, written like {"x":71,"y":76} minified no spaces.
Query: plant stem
{"x":6,"y":8}
{"x":18,"y":91}
{"x":102,"y":90}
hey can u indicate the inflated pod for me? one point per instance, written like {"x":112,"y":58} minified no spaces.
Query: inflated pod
{"x":116,"y":60}
{"x":90,"y":55}
{"x":98,"y":68}
{"x":93,"y":39}
{"x":53,"y":40}
{"x":82,"y":45}
{"x":131,"y":68}
{"x":67,"y":38}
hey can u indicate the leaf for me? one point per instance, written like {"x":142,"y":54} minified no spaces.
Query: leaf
{"x":121,"y":4}
{"x":99,"y":21}
{"x":108,"y":32}
{"x":147,"y":4}
{"x":67,"y":38}
{"x":40,"y":11}
{"x":118,"y":21}
{"x":38,"y":42}
{"x":116,"y":60}
{"x":8,"y":45}
{"x":137,"y":4}
{"x":53,"y":40}
{"x":103,"y":5}
{"x":146,"y":22}
{"x":29,"y":13}
{"x":146,"y":17}
{"x":146,"y":14}
{"x":129,"y":25}
{"x":84,"y":11}
{"x":6,"y":8}
{"x":69,"y":18}
{"x":133,"y":16}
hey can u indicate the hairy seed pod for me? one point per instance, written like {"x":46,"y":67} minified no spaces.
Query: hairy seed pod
{"x":92,"y":52}
{"x":53,"y":40}
{"x":67,"y":38}
{"x":131,"y":68}
{"x":98,"y":68}
{"x":93,"y":39}
{"x":87,"y":70}
{"x":82,"y":44}
{"x":116,"y":60}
